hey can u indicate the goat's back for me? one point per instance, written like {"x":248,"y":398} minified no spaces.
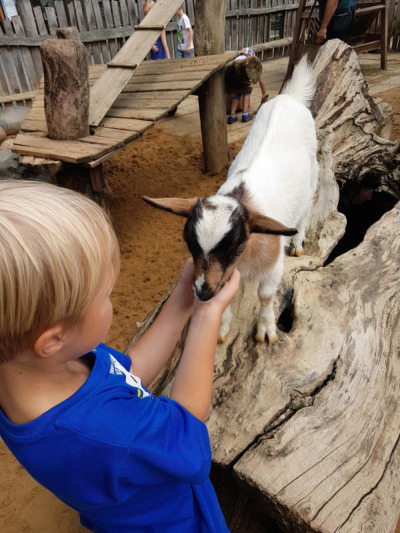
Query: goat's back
{"x":277,"y":159}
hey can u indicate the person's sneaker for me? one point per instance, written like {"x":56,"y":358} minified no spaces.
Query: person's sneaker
{"x":246,"y":117}
{"x":232,"y":119}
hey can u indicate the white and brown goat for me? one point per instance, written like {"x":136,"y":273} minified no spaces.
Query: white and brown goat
{"x":273,"y":178}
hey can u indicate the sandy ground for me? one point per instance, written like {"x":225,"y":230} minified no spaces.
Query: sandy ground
{"x":153,"y":253}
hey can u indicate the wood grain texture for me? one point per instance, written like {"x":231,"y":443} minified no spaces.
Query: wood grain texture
{"x":66,"y":91}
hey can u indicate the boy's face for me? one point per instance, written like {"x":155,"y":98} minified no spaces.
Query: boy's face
{"x":179,"y":13}
{"x":96,"y":322}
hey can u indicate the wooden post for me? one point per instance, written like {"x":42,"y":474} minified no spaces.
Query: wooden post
{"x":66,"y":88}
{"x":384,"y":34}
{"x":209,"y":38}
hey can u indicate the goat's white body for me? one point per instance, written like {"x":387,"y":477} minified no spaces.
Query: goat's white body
{"x":278,"y":167}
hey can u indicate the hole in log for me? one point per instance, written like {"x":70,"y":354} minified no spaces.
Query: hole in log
{"x":243,"y":508}
{"x":285,"y":321}
{"x":362,"y":208}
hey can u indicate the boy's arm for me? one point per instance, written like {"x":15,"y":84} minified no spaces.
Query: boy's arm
{"x":189,"y":39}
{"x":165,"y":44}
{"x":193,"y":382}
{"x":151,"y":352}
{"x":262,"y":87}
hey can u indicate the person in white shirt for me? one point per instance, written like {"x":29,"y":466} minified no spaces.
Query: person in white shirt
{"x":185,"y":35}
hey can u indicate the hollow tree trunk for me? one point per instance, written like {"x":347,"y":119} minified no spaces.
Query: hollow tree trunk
{"x":310,"y":427}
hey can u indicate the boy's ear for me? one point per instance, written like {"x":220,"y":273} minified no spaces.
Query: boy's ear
{"x":49,"y":342}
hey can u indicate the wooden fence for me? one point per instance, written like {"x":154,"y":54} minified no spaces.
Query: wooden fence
{"x":105,"y":25}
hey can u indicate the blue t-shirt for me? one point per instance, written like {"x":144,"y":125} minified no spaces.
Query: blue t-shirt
{"x":160,"y":54}
{"x":126,"y":460}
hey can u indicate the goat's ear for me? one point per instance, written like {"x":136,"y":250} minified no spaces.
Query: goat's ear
{"x":178,"y":206}
{"x":262,"y":224}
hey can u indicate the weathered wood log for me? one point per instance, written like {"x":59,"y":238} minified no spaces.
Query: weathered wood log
{"x":309,"y":428}
{"x":243,"y":72}
{"x":66,"y":88}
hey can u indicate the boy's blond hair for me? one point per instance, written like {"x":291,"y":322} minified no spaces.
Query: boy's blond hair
{"x":147,"y":6}
{"x":56,"y":249}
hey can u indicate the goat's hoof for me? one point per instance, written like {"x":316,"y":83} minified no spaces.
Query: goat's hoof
{"x":295,"y":251}
{"x":298,"y":252}
{"x":273,"y":339}
{"x":260,"y":338}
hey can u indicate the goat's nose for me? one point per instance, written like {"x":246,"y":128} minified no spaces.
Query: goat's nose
{"x":203,"y":294}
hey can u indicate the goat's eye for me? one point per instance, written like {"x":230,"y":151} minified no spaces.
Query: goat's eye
{"x":194,"y":248}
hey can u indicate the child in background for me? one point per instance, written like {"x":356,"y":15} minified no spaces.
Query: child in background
{"x":160,"y":49}
{"x":72,"y":412}
{"x":185,"y":35}
{"x":246,"y":116}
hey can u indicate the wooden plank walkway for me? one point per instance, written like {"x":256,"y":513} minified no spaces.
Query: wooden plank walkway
{"x":155,"y":89}
{"x":186,"y":122}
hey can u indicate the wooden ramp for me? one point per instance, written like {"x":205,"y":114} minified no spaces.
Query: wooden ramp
{"x":119,"y":70}
{"x":155,"y":88}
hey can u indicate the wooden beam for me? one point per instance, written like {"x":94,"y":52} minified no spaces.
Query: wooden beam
{"x":147,"y":27}
{"x":209,"y":39}
{"x":17,"y":97}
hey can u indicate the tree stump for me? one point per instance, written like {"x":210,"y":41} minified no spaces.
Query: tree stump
{"x":309,"y":428}
{"x":66,"y":88}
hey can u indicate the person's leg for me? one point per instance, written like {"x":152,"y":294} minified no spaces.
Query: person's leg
{"x":179,"y":54}
{"x":188,"y":54}
{"x":234,"y":105}
{"x":246,"y":116}
{"x":246,"y":103}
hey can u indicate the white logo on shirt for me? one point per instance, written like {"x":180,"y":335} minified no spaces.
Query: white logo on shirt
{"x":133,"y":381}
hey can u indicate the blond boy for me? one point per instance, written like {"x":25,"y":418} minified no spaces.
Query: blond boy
{"x":77,"y":414}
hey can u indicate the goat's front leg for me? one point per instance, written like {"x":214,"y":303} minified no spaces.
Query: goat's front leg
{"x":266,"y":291}
{"x":266,"y":320}
{"x":225,"y":325}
